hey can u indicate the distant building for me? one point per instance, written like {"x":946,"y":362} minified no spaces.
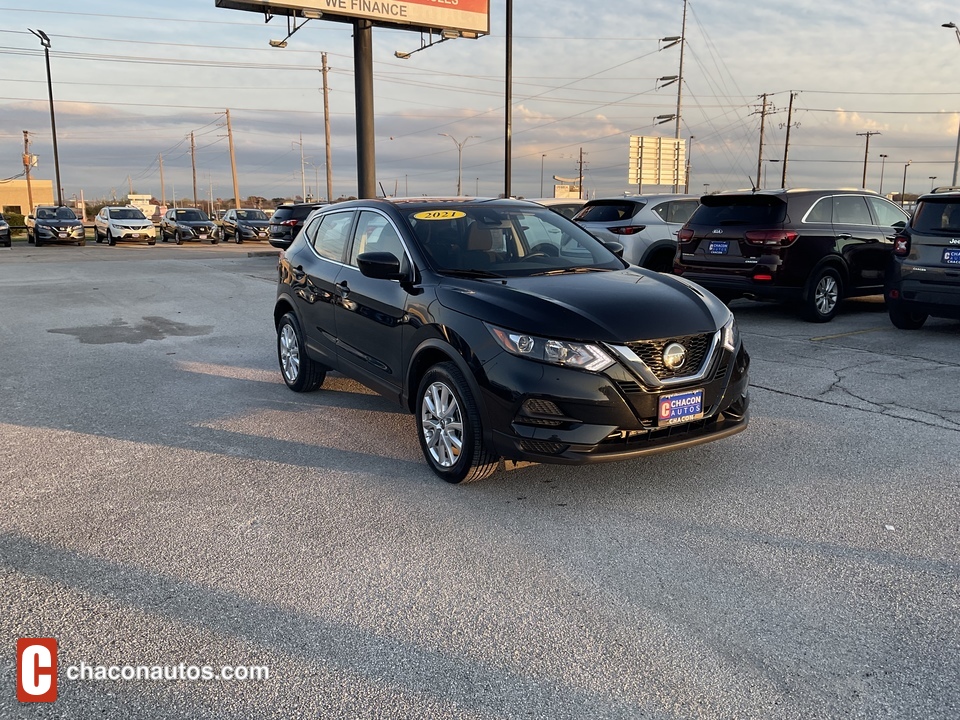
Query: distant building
{"x":14,"y":195}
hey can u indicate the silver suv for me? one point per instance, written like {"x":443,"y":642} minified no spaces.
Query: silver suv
{"x":646,"y":225}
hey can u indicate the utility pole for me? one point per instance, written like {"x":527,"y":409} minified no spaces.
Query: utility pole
{"x":163,"y":192}
{"x":233,"y":163}
{"x":193,"y":165}
{"x":866,"y":152}
{"x":786,"y":144}
{"x":683,"y":33}
{"x":763,"y":118}
{"x":326,"y":130}
{"x":27,"y":163}
{"x":508,"y":106}
{"x":580,"y":178}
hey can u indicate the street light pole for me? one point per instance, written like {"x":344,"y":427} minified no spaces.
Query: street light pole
{"x":541,"y":174}
{"x":459,"y":159}
{"x":45,"y":41}
{"x":883,"y":161}
{"x":932,"y":178}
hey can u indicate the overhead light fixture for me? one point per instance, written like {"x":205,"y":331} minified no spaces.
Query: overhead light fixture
{"x":450,"y":34}
{"x":402,"y":55}
{"x":278,"y":43}
{"x":311,"y":14}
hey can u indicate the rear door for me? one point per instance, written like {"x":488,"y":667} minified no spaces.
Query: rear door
{"x":860,"y":241}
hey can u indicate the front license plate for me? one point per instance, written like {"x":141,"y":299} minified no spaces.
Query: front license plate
{"x":203,"y":237}
{"x":263,"y":234}
{"x":951,"y":256}
{"x":62,"y":235}
{"x":136,"y":235}
{"x":718,"y":247}
{"x":680,"y":407}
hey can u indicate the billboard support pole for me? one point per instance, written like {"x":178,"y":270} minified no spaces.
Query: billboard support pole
{"x":363,"y":74}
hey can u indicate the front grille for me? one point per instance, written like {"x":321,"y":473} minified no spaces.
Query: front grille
{"x":651,"y":353}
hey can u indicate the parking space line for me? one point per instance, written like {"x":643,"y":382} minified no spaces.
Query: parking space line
{"x":846,"y":334}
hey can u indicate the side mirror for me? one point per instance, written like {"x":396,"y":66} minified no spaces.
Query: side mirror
{"x":380,"y":265}
{"x":615,"y":247}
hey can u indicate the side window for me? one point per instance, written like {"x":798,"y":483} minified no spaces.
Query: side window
{"x":851,"y":210}
{"x":676,"y":211}
{"x":887,"y":214}
{"x":821,"y":212}
{"x":330,"y":236}
{"x":375,"y":234}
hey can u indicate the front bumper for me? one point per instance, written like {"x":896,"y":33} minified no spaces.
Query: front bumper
{"x":549,"y":414}
{"x":71,"y":234}
{"x":135,"y":234}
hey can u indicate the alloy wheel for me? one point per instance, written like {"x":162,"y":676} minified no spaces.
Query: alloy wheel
{"x":442,"y":423}
{"x":289,"y":353}
{"x":826,"y":294}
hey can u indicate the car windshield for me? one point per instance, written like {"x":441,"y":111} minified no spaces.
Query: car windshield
{"x":191,"y":215}
{"x":608,"y":211}
{"x":937,"y":215}
{"x":127,"y":213}
{"x":487,"y":241}
{"x":739,"y":210}
{"x":61,"y":213}
{"x":251,"y":215}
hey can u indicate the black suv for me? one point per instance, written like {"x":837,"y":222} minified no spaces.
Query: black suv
{"x":923,"y":278}
{"x":53,"y":224}
{"x":812,"y":246}
{"x":509,"y":332}
{"x":244,"y":225}
{"x":286,"y":221}
{"x":181,"y":224}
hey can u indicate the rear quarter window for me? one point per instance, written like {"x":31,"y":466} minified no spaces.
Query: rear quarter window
{"x":613,"y":211}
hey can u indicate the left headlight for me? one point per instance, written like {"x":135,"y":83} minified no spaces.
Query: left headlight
{"x":731,"y":334}
{"x":556,"y":352}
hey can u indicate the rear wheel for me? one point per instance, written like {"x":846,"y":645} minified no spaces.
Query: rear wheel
{"x":905,"y":319}
{"x":300,"y":373}
{"x":448,"y":427}
{"x":823,"y":294}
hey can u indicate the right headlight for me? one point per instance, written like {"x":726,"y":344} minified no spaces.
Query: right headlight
{"x":731,"y":334}
{"x":582,"y":356}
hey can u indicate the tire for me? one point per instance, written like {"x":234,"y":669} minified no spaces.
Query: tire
{"x":176,"y":236}
{"x":903,"y":318}
{"x":214,"y":241}
{"x":822,"y":296}
{"x":163,"y":235}
{"x":448,"y":426}
{"x":661,"y":262}
{"x":300,"y":373}
{"x":111,"y":240}
{"x":31,"y":240}
{"x":96,"y":235}
{"x":151,"y":242}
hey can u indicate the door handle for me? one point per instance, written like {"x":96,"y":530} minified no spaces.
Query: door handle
{"x":343,"y":288}
{"x":844,"y":236}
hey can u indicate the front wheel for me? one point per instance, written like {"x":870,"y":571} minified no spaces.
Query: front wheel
{"x":111,"y":240}
{"x":448,"y":426}
{"x":300,"y":373}
{"x":822,"y":297}
{"x":905,"y":319}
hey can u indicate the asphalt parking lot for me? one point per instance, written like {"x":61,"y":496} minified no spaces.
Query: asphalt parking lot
{"x":167,"y":500}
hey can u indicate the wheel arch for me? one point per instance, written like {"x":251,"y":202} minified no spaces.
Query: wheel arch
{"x":429,"y":353}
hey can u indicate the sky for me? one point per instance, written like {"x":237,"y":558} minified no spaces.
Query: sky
{"x":131,"y":81}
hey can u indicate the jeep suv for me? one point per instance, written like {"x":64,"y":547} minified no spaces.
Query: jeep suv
{"x":812,"y":246}
{"x":508,"y":332}
{"x":923,"y":277}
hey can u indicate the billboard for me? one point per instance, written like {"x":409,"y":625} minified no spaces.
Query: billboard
{"x":657,"y":161}
{"x":470,"y":18}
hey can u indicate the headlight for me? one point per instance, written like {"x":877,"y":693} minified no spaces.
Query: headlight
{"x":731,"y":334}
{"x":555,"y":352}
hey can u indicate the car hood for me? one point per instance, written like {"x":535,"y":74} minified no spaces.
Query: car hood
{"x":262,"y":224}
{"x":195,"y":223}
{"x":614,"y":307}
{"x":131,"y":223}
{"x":59,"y":223}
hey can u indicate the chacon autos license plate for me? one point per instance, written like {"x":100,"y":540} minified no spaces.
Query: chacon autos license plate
{"x":951,"y":256}
{"x":718,"y":247}
{"x":680,"y":407}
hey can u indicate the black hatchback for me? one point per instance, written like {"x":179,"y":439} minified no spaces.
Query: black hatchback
{"x":509,"y":332}
{"x":923,"y":277}
{"x":812,"y":246}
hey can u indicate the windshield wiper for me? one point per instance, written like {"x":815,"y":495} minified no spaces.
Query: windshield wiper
{"x":471,"y":273}
{"x":564,"y":271}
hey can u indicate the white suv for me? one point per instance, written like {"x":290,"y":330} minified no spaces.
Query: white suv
{"x":115,"y":224}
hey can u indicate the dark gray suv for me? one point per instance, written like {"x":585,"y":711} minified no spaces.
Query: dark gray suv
{"x":923,"y":277}
{"x":815,"y":247}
